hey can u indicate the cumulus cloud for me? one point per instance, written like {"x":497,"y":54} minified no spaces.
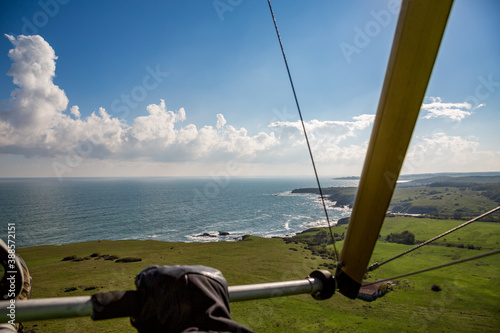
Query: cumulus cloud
{"x":75,"y":111}
{"x":158,"y":125}
{"x":443,"y":152}
{"x":328,"y":139}
{"x":37,"y":103}
{"x":158,"y":135}
{"x":454,"y":148}
{"x":35,"y":122}
{"x":221,"y":121}
{"x":332,"y":131}
{"x":38,"y":122}
{"x":436,"y":108}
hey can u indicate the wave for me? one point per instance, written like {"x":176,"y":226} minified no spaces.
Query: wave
{"x":290,"y":194}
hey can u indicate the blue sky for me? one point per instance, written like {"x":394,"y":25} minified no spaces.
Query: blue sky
{"x":187,"y":88}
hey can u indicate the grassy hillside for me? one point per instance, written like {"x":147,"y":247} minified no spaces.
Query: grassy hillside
{"x":437,"y":200}
{"x":479,"y":234}
{"x":444,"y":200}
{"x":468,"y":302}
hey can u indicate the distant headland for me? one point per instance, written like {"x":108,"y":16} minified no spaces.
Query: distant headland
{"x":458,"y":196}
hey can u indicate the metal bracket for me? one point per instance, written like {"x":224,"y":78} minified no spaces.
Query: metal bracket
{"x":328,"y":281}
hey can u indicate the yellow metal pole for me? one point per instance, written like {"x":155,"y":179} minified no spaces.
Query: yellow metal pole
{"x":416,"y":43}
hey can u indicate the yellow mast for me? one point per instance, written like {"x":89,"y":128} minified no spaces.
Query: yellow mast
{"x":416,"y":43}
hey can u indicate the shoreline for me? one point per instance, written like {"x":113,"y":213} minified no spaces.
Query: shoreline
{"x":261,"y":260}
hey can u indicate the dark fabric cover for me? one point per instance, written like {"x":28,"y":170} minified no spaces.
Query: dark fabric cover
{"x":184,"y":299}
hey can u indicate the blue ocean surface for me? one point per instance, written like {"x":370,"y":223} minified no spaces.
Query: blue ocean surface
{"x":51,"y":211}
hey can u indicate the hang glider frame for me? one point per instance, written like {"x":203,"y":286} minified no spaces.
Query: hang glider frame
{"x":418,"y":36}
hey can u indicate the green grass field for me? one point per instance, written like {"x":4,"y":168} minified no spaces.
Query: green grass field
{"x":442,"y":201}
{"x":483,"y":234}
{"x":452,"y":200}
{"x":469,"y":300}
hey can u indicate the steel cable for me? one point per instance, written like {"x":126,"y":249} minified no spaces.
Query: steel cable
{"x":304,"y":129}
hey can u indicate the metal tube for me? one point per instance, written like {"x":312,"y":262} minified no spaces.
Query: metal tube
{"x":67,"y":307}
{"x":276,"y":289}
{"x":46,"y":308}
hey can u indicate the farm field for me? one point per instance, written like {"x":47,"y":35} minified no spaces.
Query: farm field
{"x":468,"y":301}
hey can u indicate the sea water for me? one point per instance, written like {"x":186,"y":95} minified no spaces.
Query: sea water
{"x":52,"y":211}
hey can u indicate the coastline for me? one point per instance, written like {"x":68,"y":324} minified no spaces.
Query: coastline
{"x":437,"y":197}
{"x":260,"y":260}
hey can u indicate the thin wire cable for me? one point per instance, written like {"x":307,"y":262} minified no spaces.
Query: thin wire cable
{"x":436,"y":267}
{"x":304,"y":128}
{"x":376,"y":265}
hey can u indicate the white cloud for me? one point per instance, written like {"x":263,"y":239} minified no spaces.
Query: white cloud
{"x":159,"y":125}
{"x":37,"y":103}
{"x":455,"y":149}
{"x":220,"y":121}
{"x":75,"y":110}
{"x":329,"y":140}
{"x":38,"y":123}
{"x":35,"y":123}
{"x":442,"y":152}
{"x":453,"y":111}
{"x":332,"y":131}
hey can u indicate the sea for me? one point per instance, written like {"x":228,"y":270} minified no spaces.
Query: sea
{"x":51,"y":211}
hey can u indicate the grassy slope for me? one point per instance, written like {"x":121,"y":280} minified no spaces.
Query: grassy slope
{"x":251,"y":261}
{"x":470,"y":291}
{"x":469,"y":301}
{"x":441,"y":201}
{"x":446,"y":199}
{"x":484,"y":234}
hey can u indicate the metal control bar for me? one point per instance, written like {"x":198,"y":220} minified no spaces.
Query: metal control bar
{"x":46,"y":308}
{"x":277,"y":289}
{"x":320,"y":284}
